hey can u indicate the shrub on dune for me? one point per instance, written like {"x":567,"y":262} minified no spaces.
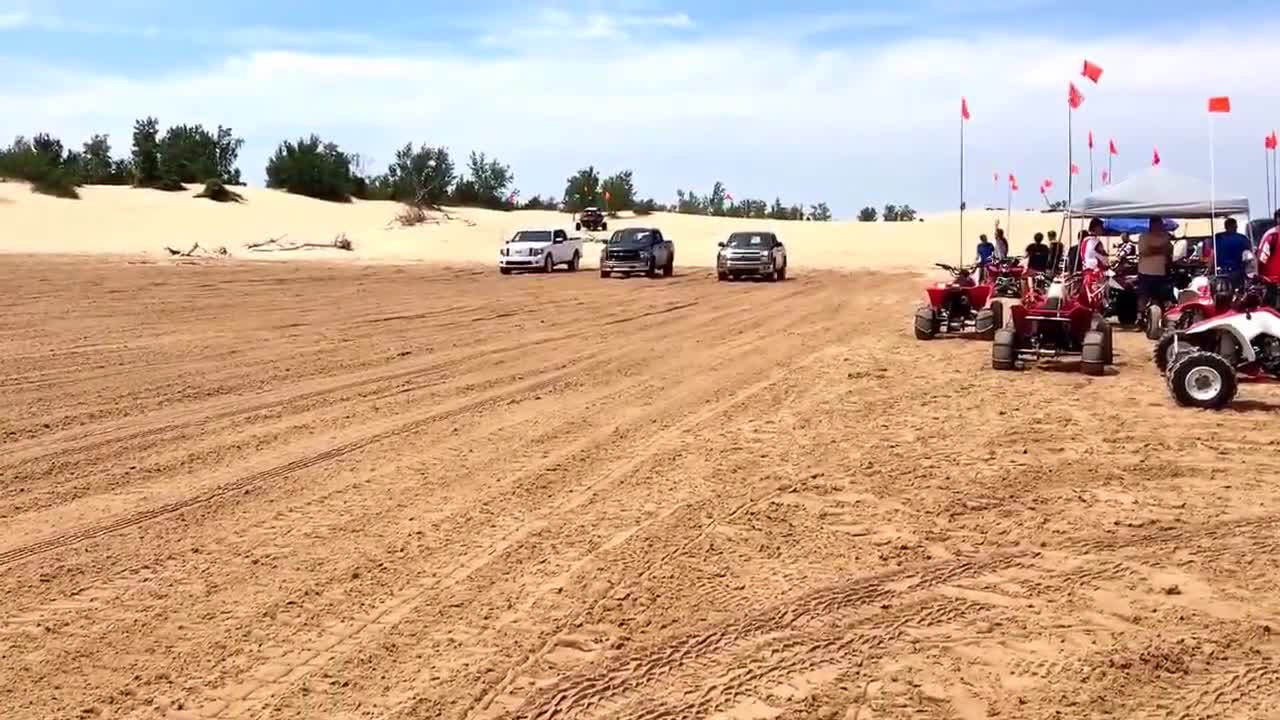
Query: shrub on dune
{"x":216,"y":191}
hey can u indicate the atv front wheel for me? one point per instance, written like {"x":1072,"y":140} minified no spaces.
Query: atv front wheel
{"x":1155,"y":322}
{"x":1203,"y":380}
{"x":997,"y":313}
{"x":1162,"y":355}
{"x":1004,"y":350}
{"x":1093,"y":353}
{"x":926,"y":323}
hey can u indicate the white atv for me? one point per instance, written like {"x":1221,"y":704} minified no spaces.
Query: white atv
{"x":1205,"y":363}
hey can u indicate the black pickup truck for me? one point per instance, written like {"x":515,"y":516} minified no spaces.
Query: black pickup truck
{"x":638,"y":250}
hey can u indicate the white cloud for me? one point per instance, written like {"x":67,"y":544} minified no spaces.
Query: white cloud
{"x":851,"y":126}
{"x":13,"y":20}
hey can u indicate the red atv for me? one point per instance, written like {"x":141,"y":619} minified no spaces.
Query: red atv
{"x":1064,"y":321}
{"x":956,"y":307}
{"x":1005,"y":277}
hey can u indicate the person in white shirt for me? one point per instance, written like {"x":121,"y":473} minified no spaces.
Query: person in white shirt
{"x":1093,"y":251}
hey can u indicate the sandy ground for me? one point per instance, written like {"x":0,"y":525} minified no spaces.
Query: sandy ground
{"x":127,"y":221}
{"x":300,"y":490}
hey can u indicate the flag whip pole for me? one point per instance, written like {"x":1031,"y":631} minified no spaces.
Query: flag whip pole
{"x":1213,"y":195}
{"x":961,"y":261}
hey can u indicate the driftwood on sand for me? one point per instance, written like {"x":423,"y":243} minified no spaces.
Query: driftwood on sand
{"x":197,"y":251}
{"x":277,"y":244}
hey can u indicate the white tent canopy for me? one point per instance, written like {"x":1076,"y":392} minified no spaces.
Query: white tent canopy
{"x":1158,"y":192}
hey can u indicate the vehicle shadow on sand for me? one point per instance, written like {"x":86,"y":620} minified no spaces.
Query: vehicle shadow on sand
{"x":1068,"y":367}
{"x":1253,"y":406}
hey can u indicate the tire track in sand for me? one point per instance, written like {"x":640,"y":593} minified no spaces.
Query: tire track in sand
{"x":275,"y":677}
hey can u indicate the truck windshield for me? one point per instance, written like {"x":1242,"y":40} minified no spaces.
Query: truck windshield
{"x":532,"y":236}
{"x":631,"y":238}
{"x":748,"y":240}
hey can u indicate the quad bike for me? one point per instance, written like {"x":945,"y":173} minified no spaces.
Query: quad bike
{"x":591,"y":219}
{"x":957,"y":307}
{"x":1221,"y":300}
{"x":1064,"y":321}
{"x":1207,"y":362}
{"x":1122,"y":290}
{"x":1005,"y":277}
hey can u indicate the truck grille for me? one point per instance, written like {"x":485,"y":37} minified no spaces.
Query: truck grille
{"x":623,"y":255}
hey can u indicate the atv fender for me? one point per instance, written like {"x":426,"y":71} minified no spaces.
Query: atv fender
{"x":1220,"y":326}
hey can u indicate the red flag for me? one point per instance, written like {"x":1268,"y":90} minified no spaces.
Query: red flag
{"x":1155,"y":156}
{"x":1013,"y":182}
{"x":1042,"y":189}
{"x":1074,"y":97}
{"x":1271,"y":141}
{"x":964,"y":109}
{"x":1219,"y":104}
{"x":1075,"y":169}
{"x":728,"y":197}
{"x":1090,"y":139}
{"x":1091,"y":71}
{"x":1114,"y":150}
{"x":1048,"y":183}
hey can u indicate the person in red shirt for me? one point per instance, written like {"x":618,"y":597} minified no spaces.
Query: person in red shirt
{"x":1269,"y":254}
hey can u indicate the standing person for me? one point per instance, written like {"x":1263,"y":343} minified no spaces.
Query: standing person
{"x":986,"y":251}
{"x":1269,"y":262}
{"x":1155,"y":250}
{"x":1093,"y":261}
{"x":1055,"y":251}
{"x":1002,"y":245}
{"x":1231,"y":246}
{"x":1037,"y":254}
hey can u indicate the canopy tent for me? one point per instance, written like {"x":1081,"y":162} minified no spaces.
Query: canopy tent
{"x":1122,"y":225}
{"x":1158,"y":192}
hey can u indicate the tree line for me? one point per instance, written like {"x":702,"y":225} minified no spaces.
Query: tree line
{"x":423,"y":176}
{"x":892,"y":213}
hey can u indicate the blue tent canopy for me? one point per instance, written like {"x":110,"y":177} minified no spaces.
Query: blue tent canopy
{"x":1119,"y":226}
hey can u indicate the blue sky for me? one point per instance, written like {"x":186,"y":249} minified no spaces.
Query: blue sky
{"x":850,"y":103}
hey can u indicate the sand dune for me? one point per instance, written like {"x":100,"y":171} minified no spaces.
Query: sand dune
{"x":118,"y":220}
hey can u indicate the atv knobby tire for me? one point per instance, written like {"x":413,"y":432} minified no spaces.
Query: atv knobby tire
{"x":1155,"y":322}
{"x":1093,"y":353}
{"x":997,"y":313}
{"x":1004,"y":350}
{"x":985,"y":324}
{"x":1203,"y":380}
{"x":926,"y":323}
{"x":1162,"y":353}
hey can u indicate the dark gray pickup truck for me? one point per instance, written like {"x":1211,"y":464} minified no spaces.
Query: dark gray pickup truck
{"x":638,"y":250}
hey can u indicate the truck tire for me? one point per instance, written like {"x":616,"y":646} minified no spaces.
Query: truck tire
{"x":722,"y":277}
{"x":605,"y":273}
{"x":577,"y":226}
{"x":781,"y":273}
{"x":670,"y":268}
{"x":548,"y":264}
{"x":604,"y":227}
{"x":575,"y":262}
{"x":504,"y":270}
{"x":653,"y":268}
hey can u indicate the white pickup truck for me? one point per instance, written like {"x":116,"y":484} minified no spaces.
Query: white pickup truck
{"x":540,"y":250}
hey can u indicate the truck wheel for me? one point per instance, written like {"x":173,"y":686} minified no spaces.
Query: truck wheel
{"x":722,"y":277}
{"x":504,"y":271}
{"x":653,"y":268}
{"x":1203,"y":380}
{"x":1093,"y":353}
{"x":547,"y":263}
{"x":575,"y":262}
{"x":577,"y":226}
{"x":1004,"y":350}
{"x":604,"y":227}
{"x":782,"y":272}
{"x":670,"y":268}
{"x":604,"y":273}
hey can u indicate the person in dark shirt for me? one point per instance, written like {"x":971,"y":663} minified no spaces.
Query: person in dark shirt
{"x":1038,"y":254}
{"x":1055,"y":251}
{"x":1230,"y":247}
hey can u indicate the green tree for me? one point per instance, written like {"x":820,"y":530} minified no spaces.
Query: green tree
{"x":621,"y":191}
{"x":146,"y":152}
{"x":582,"y":190}
{"x":486,"y":183}
{"x":43,"y":163}
{"x":820,"y":212}
{"x":778,"y":211}
{"x":867,"y":214}
{"x":716,"y":200}
{"x":98,"y":165}
{"x":421,"y":177}
{"x":906,"y":214}
{"x":312,"y":168}
{"x":890,"y":213}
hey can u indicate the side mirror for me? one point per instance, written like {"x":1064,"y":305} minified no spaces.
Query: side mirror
{"x":721,"y":243}
{"x":557,"y":241}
